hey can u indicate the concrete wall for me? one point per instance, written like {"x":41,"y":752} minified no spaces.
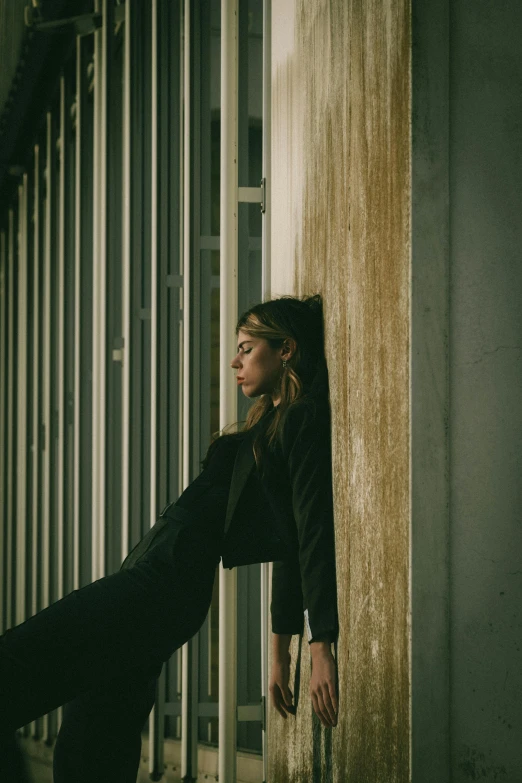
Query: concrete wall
{"x":430,"y":519}
{"x":343,"y":174}
{"x":341,"y":226}
{"x":485,"y":390}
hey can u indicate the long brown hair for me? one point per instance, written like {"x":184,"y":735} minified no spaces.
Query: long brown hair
{"x":305,"y":377}
{"x":277,"y":320}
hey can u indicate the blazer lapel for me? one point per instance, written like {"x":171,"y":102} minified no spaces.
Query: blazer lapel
{"x":243,"y":466}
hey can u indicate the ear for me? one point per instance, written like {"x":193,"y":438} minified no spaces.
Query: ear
{"x":288,"y":348}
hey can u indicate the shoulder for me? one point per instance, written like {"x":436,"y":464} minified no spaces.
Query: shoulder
{"x":308,"y":419}
{"x":224,"y":445}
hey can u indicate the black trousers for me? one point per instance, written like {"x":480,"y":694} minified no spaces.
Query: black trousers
{"x":100,"y":650}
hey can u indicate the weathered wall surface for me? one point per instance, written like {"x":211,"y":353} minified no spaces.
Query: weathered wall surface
{"x":341,"y":226}
{"x":486,"y":390}
{"x":430,"y":523}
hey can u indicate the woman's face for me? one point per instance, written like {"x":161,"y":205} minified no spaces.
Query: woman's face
{"x":258,"y":365}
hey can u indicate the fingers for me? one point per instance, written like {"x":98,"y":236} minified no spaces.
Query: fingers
{"x":329,"y":707}
{"x":289,"y":698}
{"x":282,"y":701}
{"x":324,"y":706}
{"x":334,"y":699}
{"x":320,"y":709}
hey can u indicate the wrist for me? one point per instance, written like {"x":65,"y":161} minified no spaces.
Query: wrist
{"x":281,"y":645}
{"x":320,"y":648}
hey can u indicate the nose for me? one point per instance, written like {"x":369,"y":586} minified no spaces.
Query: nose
{"x":235,"y":363}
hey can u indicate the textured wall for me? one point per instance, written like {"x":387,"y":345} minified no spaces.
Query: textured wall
{"x":486,"y":390}
{"x":341,"y":226}
{"x":430,"y":393}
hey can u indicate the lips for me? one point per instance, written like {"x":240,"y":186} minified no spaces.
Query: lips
{"x":239,"y":379}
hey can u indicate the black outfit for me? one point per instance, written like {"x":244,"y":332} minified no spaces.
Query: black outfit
{"x":290,"y":522}
{"x":101,"y":648}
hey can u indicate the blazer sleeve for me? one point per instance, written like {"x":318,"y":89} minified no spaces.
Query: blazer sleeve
{"x":307,"y":452}
{"x":286,"y":606}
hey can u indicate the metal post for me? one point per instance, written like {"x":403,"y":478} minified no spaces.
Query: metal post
{"x":228,"y":393}
{"x":99,"y":291}
{"x":156,"y":720}
{"x":3,"y":416}
{"x":46,"y":389}
{"x":21,"y":404}
{"x":60,"y":374}
{"x":186,"y":244}
{"x":77,"y":310}
{"x":126,"y":276}
{"x":189,"y":715}
{"x":267,"y":125}
{"x":184,"y":268}
{"x":37,"y":422}
{"x":266,"y":288}
{"x":10,"y":419}
{"x":37,"y":342}
{"x":189,"y":748}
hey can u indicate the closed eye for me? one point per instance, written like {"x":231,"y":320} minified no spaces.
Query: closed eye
{"x":247,"y":350}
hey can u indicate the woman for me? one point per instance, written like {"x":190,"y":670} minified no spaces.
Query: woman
{"x":264,"y":495}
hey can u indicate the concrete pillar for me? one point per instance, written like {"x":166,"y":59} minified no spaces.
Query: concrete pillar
{"x":341,"y":226}
{"x":396,"y":194}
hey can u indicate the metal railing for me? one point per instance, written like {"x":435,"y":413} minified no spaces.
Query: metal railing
{"x":58,"y":273}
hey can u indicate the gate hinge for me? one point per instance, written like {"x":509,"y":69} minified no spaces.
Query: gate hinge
{"x":253,"y":195}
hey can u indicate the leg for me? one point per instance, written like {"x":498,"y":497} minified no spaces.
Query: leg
{"x":100,"y":736}
{"x":129,"y":620}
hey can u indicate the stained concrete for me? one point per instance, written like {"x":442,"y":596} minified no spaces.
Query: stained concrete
{"x":486,"y":390}
{"x":341,"y":226}
{"x":430,"y":535}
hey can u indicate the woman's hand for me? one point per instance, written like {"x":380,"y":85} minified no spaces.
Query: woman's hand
{"x":280,"y":693}
{"x":323,"y":683}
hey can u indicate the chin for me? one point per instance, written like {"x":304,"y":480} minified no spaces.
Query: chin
{"x":251,"y":392}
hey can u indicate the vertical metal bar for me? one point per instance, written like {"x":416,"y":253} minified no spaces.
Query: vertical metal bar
{"x":21,"y":405}
{"x":189,"y":740}
{"x":36,"y":498}
{"x":95,"y":286}
{"x":184,"y":138}
{"x":126,"y":276}
{"x":99,"y":290}
{"x":156,"y":721}
{"x":36,"y":380}
{"x":77,"y":310}
{"x":266,"y":289}
{"x":59,"y":466}
{"x":10,"y":420}
{"x":106,"y":33}
{"x":182,"y":260}
{"x":154,"y":259}
{"x":227,"y":390}
{"x":96,"y":263}
{"x":188,"y":718}
{"x":3,"y":420}
{"x":46,"y":384}
{"x":267,"y":160}
{"x":186,"y":243}
{"x":60,"y":369}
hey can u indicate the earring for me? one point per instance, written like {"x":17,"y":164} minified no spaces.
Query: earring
{"x":284,"y":364}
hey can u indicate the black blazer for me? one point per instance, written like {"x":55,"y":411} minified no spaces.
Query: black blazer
{"x":284,"y":513}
